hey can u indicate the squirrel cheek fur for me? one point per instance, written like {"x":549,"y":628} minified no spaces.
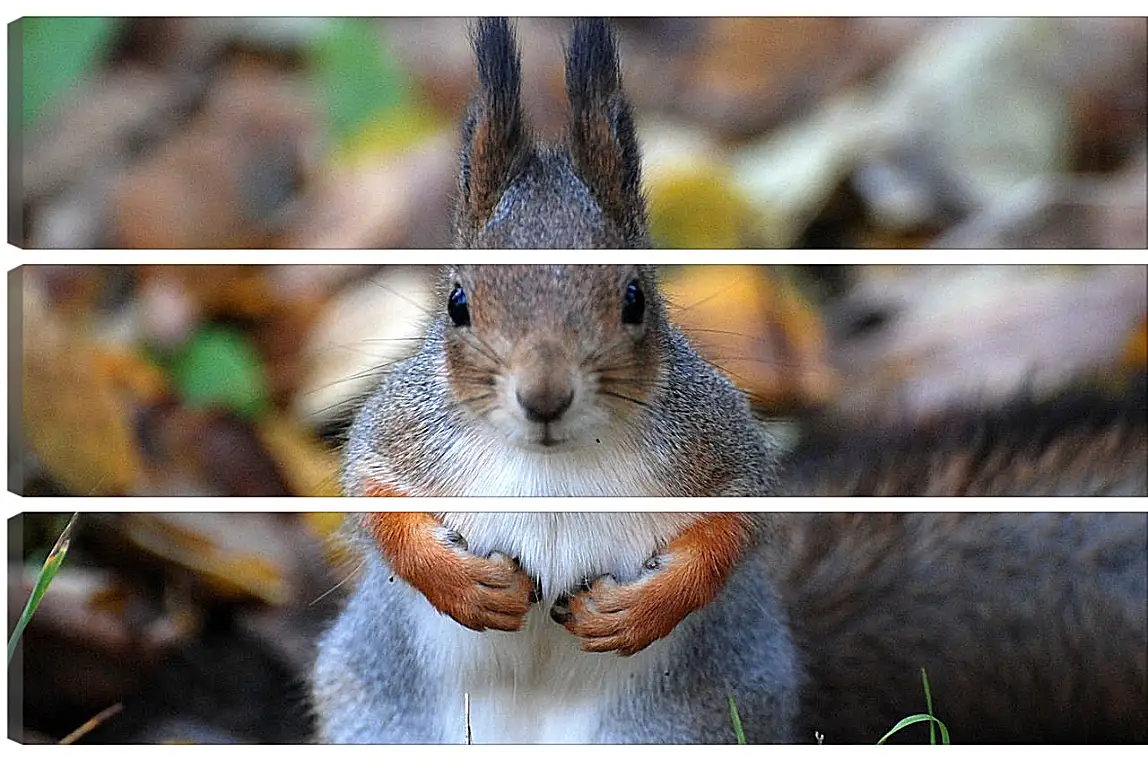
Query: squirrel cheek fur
{"x":556,"y":380}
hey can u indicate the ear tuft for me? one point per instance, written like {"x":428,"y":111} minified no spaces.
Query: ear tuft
{"x":603,"y":142}
{"x":495,"y":140}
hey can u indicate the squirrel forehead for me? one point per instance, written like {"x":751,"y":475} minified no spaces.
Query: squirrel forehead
{"x":549,"y":206}
{"x":570,"y":291}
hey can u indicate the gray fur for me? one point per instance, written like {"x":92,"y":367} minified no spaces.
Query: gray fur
{"x":369,"y":684}
{"x":548,"y":206}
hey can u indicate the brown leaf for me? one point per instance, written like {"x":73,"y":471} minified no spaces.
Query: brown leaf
{"x":77,"y":400}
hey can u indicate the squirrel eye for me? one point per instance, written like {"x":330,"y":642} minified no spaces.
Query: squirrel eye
{"x":456,"y":307}
{"x":633,"y":303}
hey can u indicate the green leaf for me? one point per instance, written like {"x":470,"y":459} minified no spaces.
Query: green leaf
{"x":48,"y":571}
{"x":58,"y":52}
{"x":219,"y":367}
{"x":358,"y":77}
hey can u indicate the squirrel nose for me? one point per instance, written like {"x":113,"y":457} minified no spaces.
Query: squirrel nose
{"x":544,"y":403}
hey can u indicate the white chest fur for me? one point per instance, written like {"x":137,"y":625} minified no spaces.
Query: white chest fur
{"x":560,"y":549}
{"x":476,"y":466}
{"x":537,"y":685}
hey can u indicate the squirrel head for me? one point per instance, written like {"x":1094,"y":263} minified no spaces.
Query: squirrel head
{"x":584,"y":192}
{"x":552,"y":356}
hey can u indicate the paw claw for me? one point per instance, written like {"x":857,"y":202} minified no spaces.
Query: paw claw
{"x":560,"y":611}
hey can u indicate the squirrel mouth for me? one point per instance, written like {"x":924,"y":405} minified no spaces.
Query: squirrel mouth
{"x":547,"y":439}
{"x":543,"y":437}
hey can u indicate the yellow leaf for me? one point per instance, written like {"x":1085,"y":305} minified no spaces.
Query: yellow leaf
{"x":309,"y":467}
{"x":754,"y":324}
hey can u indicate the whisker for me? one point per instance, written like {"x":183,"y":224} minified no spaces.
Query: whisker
{"x":426,"y":311}
{"x":627,"y":398}
{"x":482,"y":349}
{"x":639,"y":381}
{"x":354,"y":572}
{"x":727,"y":332}
{"x":489,"y":352}
{"x":613,"y":368}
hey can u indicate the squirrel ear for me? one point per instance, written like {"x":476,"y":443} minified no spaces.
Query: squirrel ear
{"x":603,"y":143}
{"x":495,"y":144}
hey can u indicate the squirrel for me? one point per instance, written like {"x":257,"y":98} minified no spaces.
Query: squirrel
{"x":569,"y":380}
{"x":555,"y":380}
{"x":393,"y":669}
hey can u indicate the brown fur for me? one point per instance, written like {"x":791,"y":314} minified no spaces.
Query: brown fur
{"x":493,"y":593}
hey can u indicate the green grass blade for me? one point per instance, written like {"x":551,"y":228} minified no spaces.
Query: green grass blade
{"x":736,"y":718}
{"x":931,"y":719}
{"x":944,"y":732}
{"x":929,"y":707}
{"x":48,"y":571}
{"x":913,"y":719}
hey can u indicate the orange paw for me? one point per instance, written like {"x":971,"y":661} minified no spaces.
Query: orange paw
{"x":625,"y":618}
{"x":478,"y":592}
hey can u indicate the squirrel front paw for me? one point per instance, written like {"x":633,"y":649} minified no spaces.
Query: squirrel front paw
{"x":478,"y":592}
{"x":626,"y":618}
{"x":608,"y":616}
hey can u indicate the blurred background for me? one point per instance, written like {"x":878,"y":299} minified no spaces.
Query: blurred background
{"x":171,"y":628}
{"x":757,"y":132}
{"x":241,"y":380}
